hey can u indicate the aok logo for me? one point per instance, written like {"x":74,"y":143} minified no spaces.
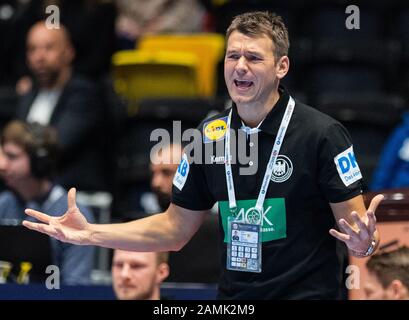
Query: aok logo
{"x":251,"y":215}
{"x":272,"y":218}
{"x":347,"y":166}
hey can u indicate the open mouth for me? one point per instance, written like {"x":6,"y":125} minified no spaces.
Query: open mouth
{"x":243,"y":84}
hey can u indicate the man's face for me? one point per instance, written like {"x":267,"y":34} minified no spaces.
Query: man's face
{"x":250,"y":69}
{"x":161,"y":182}
{"x":48,"y":53}
{"x":135,"y":275}
{"x":14,"y":165}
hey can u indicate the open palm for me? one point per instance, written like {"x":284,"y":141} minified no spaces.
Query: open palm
{"x":357,"y":237}
{"x":71,"y":227}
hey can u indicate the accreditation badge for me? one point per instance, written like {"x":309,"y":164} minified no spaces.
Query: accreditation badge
{"x":244,"y":246}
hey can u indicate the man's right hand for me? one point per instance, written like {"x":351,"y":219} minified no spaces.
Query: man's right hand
{"x":71,"y":227}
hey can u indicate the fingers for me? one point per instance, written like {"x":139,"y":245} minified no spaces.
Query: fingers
{"x":375,"y":202}
{"x":71,"y":199}
{"x":371,"y":213}
{"x":38,"y":215}
{"x":371,"y":223}
{"x":358,"y":221}
{"x":40,"y":227}
{"x":347,"y":228}
{"x":340,"y":236}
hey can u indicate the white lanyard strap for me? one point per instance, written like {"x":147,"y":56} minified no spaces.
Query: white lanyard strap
{"x":271,"y":163}
{"x":227,"y":166}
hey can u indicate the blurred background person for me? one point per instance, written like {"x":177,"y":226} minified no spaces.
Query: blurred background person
{"x":393,"y":167}
{"x":388,"y":277}
{"x":71,"y":104}
{"x":27,"y":164}
{"x":91,"y":24}
{"x":139,"y":17}
{"x":163,"y":166}
{"x":138,"y":275}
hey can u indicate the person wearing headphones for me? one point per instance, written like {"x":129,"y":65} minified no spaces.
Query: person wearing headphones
{"x":28,"y":157}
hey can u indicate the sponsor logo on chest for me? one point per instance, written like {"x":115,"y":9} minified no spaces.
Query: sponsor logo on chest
{"x":214,"y":130}
{"x":218,"y":159}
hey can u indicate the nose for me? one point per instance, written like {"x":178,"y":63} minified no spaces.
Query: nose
{"x":37,"y":56}
{"x":241,"y":66}
{"x":156,"y":181}
{"x":125,"y":271}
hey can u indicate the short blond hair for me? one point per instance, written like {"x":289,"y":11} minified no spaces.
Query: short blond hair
{"x":162,"y":257}
{"x":389,"y":266}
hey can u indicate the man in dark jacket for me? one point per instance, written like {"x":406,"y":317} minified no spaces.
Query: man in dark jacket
{"x":69,"y":103}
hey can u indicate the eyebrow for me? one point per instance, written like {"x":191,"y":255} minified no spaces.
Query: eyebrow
{"x":11,"y":154}
{"x":252,"y":52}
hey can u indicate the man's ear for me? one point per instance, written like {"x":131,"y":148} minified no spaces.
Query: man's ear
{"x":69,"y":54}
{"x":282,"y":67}
{"x":162,"y":272}
{"x":398,"y":290}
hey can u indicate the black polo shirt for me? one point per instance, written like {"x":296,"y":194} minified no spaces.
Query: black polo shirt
{"x":316,"y":165}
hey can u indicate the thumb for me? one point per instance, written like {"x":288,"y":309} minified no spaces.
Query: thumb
{"x":71,"y":199}
{"x":375,"y":202}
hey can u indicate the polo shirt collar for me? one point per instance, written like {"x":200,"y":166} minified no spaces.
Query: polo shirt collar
{"x":272,"y":121}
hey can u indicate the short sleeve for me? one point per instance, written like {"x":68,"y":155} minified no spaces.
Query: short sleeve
{"x":190,"y":188}
{"x":340,"y":177}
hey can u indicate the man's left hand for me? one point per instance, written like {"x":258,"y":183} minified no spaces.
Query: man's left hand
{"x":359,"y":236}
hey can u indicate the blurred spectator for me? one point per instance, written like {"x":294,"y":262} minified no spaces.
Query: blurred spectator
{"x":91,"y":24}
{"x":388,"y":275}
{"x":27,"y":162}
{"x":139,"y":17}
{"x":393,"y":167}
{"x":138,"y":275}
{"x":71,"y":104}
{"x":163,"y":167}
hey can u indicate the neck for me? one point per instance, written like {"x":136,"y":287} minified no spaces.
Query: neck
{"x":253,"y":113}
{"x":34,"y":188}
{"x":155,"y":294}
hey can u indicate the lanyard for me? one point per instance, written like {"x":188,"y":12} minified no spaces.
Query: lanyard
{"x":271,"y":163}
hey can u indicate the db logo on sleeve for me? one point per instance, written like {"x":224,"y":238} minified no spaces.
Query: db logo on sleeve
{"x":181,"y":174}
{"x":347,"y":166}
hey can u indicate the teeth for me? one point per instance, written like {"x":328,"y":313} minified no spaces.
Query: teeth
{"x":243,"y":83}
